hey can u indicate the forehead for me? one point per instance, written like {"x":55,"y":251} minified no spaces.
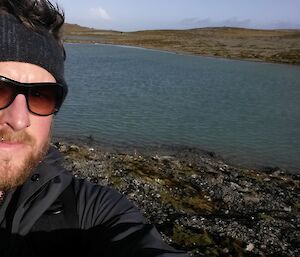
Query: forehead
{"x":25,"y":72}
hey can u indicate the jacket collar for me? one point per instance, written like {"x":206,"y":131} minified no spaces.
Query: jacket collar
{"x":47,"y":170}
{"x":40,"y":190}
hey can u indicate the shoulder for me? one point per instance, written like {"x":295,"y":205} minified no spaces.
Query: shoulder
{"x":102,"y":205}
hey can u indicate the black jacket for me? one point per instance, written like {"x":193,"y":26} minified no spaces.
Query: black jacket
{"x":36,"y":220}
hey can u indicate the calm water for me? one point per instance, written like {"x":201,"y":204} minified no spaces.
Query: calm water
{"x":248,"y":112}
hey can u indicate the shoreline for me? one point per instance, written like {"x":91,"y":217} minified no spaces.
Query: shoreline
{"x":176,"y":150}
{"x":184,"y":53}
{"x":269,"y":46}
{"x":199,"y":203}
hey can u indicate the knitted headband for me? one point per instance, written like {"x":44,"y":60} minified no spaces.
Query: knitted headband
{"x":19,"y":43}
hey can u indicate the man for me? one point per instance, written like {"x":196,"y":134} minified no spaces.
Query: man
{"x":44,"y":210}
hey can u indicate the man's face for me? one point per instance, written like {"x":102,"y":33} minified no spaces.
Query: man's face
{"x":25,"y":135}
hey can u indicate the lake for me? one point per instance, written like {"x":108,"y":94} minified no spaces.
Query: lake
{"x":248,"y":112}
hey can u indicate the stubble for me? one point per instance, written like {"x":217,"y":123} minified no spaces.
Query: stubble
{"x":15,"y":169}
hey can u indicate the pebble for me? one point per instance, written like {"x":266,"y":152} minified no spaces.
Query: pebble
{"x":250,"y":247}
{"x":225,"y":201}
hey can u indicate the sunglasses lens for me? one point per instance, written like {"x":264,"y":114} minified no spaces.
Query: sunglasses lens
{"x":6,"y":94}
{"x":43,"y":100}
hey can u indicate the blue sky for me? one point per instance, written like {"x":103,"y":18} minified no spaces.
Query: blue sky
{"x":131,"y":15}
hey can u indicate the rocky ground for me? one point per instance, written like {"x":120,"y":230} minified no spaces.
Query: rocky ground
{"x":197,"y":201}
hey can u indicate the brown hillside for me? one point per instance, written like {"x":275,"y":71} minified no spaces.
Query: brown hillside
{"x":281,"y":46}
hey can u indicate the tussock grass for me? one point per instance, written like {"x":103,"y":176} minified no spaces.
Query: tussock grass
{"x":279,"y":46}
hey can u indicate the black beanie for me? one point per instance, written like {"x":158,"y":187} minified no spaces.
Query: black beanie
{"x":19,"y":43}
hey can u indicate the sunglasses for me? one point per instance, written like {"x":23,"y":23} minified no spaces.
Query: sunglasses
{"x":42,"y":99}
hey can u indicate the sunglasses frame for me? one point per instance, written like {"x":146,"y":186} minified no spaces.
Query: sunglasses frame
{"x":24,"y":88}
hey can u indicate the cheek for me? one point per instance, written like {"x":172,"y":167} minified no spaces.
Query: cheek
{"x":40,"y":128}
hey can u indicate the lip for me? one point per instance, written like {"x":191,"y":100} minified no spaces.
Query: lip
{"x":10,"y":145}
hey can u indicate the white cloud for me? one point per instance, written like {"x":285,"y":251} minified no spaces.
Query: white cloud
{"x":100,"y":13}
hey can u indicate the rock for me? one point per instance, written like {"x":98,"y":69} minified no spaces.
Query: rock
{"x":74,"y":148}
{"x":250,"y":247}
{"x":200,"y":198}
{"x":287,"y":209}
{"x":251,"y":199}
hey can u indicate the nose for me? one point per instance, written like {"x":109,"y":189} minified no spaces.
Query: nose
{"x":16,"y":116}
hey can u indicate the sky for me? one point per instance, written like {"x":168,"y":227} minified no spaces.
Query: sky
{"x":132,"y":15}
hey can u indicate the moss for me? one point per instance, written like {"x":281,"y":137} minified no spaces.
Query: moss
{"x":149,"y":170}
{"x":265,"y":216}
{"x":297,"y":206}
{"x":236,"y":248}
{"x":187,"y":238}
{"x":78,"y":153}
{"x":207,"y":243}
{"x":116,"y":182}
{"x":198,"y":203}
{"x":195,"y":203}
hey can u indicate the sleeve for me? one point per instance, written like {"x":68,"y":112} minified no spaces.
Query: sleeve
{"x":113,"y":227}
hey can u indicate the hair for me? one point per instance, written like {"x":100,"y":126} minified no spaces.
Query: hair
{"x":38,"y":15}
